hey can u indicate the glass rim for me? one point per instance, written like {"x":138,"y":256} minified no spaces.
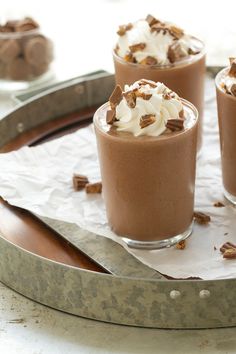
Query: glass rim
{"x":188,"y":59}
{"x":153,"y":138}
{"x":13,"y":35}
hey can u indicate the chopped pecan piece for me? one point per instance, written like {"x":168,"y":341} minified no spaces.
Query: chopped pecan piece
{"x":79,"y":181}
{"x":176,"y":32}
{"x":136,"y":47}
{"x":230,"y":254}
{"x":92,"y":188}
{"x":167,"y":95}
{"x":129,"y":58}
{"x":123,"y":29}
{"x":143,"y":95}
{"x":149,"y":61}
{"x":115,"y":97}
{"x":130,"y":98}
{"x":157,"y":27}
{"x":175,"y":124}
{"x":181,"y":245}
{"x":193,"y":51}
{"x":218,"y":204}
{"x":229,"y":250}
{"x":147,"y":120}
{"x":151,"y":20}
{"x":201,"y":218}
{"x":175,"y":52}
{"x":111,"y":116}
{"x":232,"y":70}
{"x":147,"y":82}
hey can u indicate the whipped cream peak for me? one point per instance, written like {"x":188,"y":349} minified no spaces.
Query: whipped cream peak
{"x":228,"y":82}
{"x":153,"y":42}
{"x":145,"y":108}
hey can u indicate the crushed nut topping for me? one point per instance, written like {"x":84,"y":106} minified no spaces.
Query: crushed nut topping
{"x":143,"y":95}
{"x":147,"y":120}
{"x":136,"y":47}
{"x":175,"y":52}
{"x":218,"y":204}
{"x":151,"y":20}
{"x":129,"y":58}
{"x":115,"y":97}
{"x":157,"y":27}
{"x":228,"y":250}
{"x":201,"y":218}
{"x":181,"y":245}
{"x":175,"y":124}
{"x":147,"y":82}
{"x":111,"y":116}
{"x":130,"y":98}
{"x":176,"y":32}
{"x":123,"y":29}
{"x":193,"y":51}
{"x":168,"y":94}
{"x":149,"y":61}
{"x":93,"y":188}
{"x":79,"y":181}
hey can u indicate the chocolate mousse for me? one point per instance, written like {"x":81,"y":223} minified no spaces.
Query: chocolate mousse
{"x":165,"y":53}
{"x":226,"y":104}
{"x":147,"y":137}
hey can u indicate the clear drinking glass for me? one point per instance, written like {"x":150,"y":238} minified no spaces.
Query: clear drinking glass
{"x":226,"y":105}
{"x":186,"y":77}
{"x":148,"y":182}
{"x":25,"y":59}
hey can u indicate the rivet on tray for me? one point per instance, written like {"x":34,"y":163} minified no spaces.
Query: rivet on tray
{"x":204,"y":294}
{"x":20,"y":127}
{"x":79,"y":89}
{"x":175,"y":294}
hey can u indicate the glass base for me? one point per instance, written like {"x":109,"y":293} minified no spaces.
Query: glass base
{"x":231,"y":198}
{"x":7,"y":86}
{"x":152,"y":245}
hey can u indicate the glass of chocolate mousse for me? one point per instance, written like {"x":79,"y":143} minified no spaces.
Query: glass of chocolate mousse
{"x":226,"y":104}
{"x":147,"y":142}
{"x":160,"y":51}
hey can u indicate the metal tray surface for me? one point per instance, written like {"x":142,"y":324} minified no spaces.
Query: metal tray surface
{"x":132,"y":294}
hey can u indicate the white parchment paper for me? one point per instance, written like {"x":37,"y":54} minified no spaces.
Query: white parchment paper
{"x":40,"y":179}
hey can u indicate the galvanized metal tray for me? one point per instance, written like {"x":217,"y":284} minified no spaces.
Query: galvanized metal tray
{"x":119,"y":289}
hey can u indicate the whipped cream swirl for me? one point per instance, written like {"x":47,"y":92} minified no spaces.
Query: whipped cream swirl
{"x":154,"y":105}
{"x":160,"y":43}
